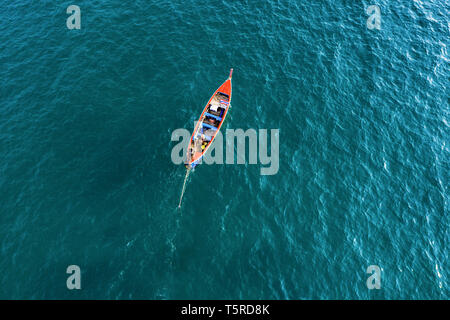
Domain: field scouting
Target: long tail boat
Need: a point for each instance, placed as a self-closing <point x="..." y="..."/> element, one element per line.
<point x="209" y="123"/>
<point x="207" y="127"/>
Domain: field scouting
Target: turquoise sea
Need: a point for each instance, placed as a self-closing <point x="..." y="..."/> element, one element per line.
<point x="86" y="176"/>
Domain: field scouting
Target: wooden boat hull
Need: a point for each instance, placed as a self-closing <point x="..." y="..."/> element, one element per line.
<point x="209" y="123"/>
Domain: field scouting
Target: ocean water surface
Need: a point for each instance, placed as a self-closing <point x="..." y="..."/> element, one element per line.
<point x="86" y="176"/>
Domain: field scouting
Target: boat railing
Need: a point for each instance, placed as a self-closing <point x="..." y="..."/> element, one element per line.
<point x="209" y="126"/>
<point x="213" y="116"/>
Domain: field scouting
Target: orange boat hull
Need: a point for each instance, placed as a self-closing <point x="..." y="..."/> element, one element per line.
<point x="194" y="156"/>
